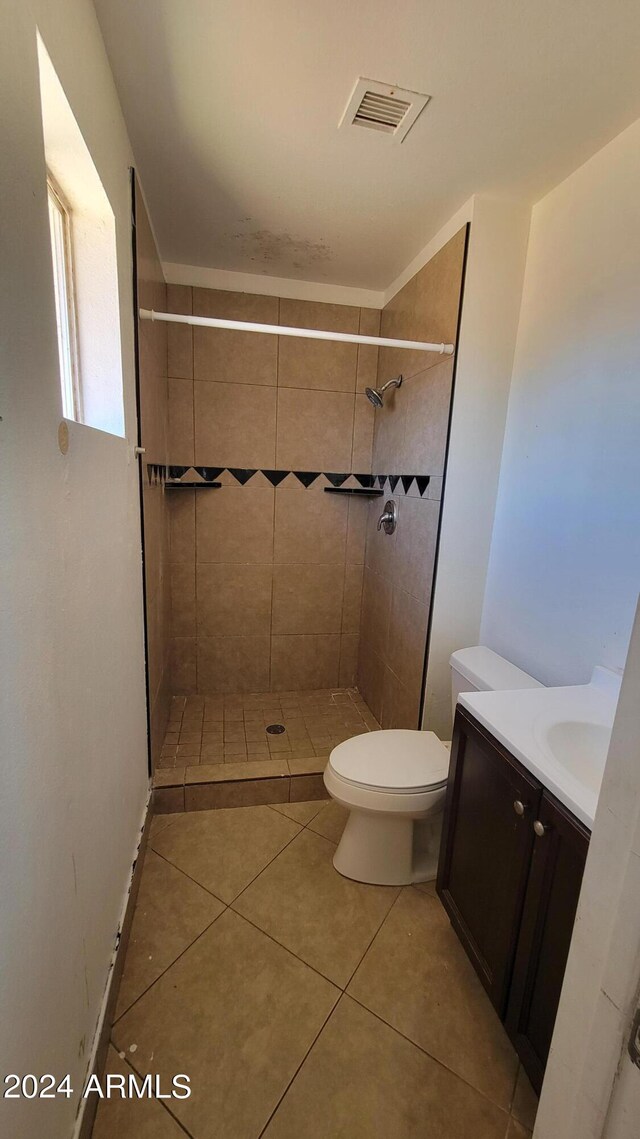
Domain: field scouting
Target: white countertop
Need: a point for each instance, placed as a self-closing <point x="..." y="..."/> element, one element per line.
<point x="561" y="735"/>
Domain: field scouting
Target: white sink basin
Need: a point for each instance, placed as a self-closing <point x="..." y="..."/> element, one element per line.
<point x="561" y="735"/>
<point x="581" y="747"/>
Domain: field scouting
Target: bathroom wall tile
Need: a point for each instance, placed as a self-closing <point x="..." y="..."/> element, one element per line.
<point x="389" y="428"/>
<point x="240" y="793"/>
<point x="235" y="357"/>
<point x="233" y="600"/>
<point x="416" y="543"/>
<point x="397" y="321"/>
<point x="320" y="315"/>
<point x="233" y="664"/>
<point x="381" y="547"/>
<point x="315" y="430"/>
<point x="357" y="529"/>
<point x="182" y="526"/>
<point x="407" y="637"/>
<point x="235" y="524"/>
<point x="183" y="665"/>
<point x="235" y="425"/>
<point x="428" y="397"/>
<point x="180" y="336"/>
<point x="310" y="526"/>
<point x="306" y="788"/>
<point x="349" y="643"/>
<point x="183" y="599"/>
<point x="307" y="598"/>
<point x="362" y="447"/>
<point x="352" y="599"/>
<point x="304" y="662"/>
<point x="167" y="800"/>
<point x="400" y="705"/>
<point x="376" y="612"/>
<point x="315" y="363"/>
<point x="180" y="424"/>
<point x="371" y="671"/>
<point x="434" y="489"/>
<point x="367" y="369"/>
<point x="436" y="302"/>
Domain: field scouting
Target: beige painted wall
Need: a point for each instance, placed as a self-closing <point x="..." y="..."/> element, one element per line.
<point x="154" y="418"/>
<point x="266" y="583"/>
<point x="74" y="767"/>
<point x="410" y="438"/>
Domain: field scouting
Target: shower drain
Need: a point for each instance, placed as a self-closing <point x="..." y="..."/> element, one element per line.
<point x="275" y="729"/>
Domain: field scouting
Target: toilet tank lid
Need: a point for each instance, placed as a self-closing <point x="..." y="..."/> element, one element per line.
<point x="489" y="672"/>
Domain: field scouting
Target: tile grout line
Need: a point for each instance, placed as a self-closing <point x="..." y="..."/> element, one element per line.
<point x="162" y="1104"/>
<point x="435" y="1059"/>
<point x="300" y="1065"/>
<point x="165" y="971"/>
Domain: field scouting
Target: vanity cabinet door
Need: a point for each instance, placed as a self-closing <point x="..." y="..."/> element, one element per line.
<point x="487" y="839"/>
<point x="551" y="900"/>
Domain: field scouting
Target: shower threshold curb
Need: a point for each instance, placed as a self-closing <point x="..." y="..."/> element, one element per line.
<point x="205" y="787"/>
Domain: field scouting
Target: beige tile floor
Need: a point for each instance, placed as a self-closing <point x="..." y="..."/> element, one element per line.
<point x="232" y="729"/>
<point x="299" y="1003"/>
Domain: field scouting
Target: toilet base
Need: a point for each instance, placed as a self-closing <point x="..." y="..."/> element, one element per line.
<point x="388" y="850"/>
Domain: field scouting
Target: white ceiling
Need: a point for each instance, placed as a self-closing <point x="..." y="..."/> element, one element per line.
<point x="233" y="109"/>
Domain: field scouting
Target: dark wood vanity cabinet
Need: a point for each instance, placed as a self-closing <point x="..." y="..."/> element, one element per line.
<point x="510" y="892"/>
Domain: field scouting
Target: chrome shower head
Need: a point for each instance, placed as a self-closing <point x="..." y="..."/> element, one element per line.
<point x="376" y="395"/>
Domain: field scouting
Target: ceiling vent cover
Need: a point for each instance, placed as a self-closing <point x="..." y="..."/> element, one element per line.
<point x="379" y="107"/>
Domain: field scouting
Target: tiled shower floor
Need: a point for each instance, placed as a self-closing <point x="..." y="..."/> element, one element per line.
<point x="300" y="1004"/>
<point x="217" y="750"/>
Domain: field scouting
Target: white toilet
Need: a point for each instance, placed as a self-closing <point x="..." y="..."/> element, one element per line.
<point x="393" y="783"/>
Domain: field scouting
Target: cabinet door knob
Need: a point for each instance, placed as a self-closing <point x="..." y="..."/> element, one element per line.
<point x="539" y="828"/>
<point x="518" y="807"/>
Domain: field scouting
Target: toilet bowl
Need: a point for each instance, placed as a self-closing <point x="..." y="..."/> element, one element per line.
<point x="393" y="783"/>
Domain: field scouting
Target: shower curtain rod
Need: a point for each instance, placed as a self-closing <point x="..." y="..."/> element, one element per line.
<point x="283" y="330"/>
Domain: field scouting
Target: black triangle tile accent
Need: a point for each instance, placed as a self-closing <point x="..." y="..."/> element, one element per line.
<point x="209" y="473"/>
<point x="306" y="477"/>
<point x="366" y="481"/>
<point x="422" y="482"/>
<point x="393" y="481"/>
<point x="381" y="481"/>
<point x="275" y="477"/>
<point x="406" y="481"/>
<point x="241" y="474"/>
<point x="335" y="479"/>
<point x="177" y="472"/>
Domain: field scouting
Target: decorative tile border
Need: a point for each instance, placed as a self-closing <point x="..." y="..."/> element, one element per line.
<point x="158" y="474"/>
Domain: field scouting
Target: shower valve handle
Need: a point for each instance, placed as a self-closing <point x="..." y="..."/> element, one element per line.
<point x="389" y="519"/>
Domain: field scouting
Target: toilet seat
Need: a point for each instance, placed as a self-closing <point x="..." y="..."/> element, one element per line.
<point x="392" y="761"/>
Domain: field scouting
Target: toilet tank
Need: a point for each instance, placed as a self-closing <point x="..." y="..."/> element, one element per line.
<point x="479" y="669"/>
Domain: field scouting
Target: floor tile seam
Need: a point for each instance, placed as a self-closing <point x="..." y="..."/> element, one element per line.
<point x="302" y="1062"/>
<point x="287" y="949"/>
<point x="189" y="876"/>
<point x="426" y="1052"/>
<point x="394" y="902"/>
<point x="373" y="937"/>
<point x="161" y="1102"/>
<point x="267" y="864"/>
<point x="168" y="967"/>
